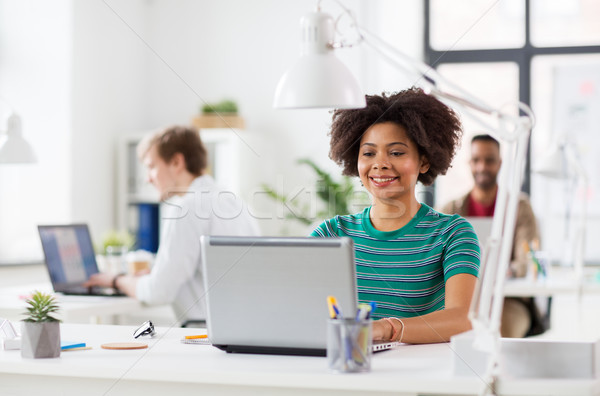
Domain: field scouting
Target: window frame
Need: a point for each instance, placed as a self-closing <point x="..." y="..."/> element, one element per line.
<point x="522" y="56"/>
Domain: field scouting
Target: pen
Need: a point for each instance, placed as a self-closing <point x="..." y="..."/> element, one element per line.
<point x="85" y="348"/>
<point x="363" y="312"/>
<point x="536" y="261"/>
<point x="331" y="306"/>
<point x="334" y="310"/>
<point x="193" y="337"/>
<point x="373" y="306"/>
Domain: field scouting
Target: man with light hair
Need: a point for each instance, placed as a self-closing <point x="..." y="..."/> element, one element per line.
<point x="193" y="205"/>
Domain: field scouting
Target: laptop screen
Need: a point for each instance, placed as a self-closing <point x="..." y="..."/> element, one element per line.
<point x="267" y="293"/>
<point x="69" y="254"/>
<point x="482" y="227"/>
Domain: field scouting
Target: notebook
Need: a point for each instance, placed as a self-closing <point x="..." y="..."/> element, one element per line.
<point x="269" y="295"/>
<point x="70" y="259"/>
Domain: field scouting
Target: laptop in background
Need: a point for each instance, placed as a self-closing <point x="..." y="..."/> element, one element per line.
<point x="269" y="295"/>
<point x="482" y="226"/>
<point x="70" y="259"/>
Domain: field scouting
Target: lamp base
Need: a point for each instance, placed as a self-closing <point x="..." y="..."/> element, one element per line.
<point x="467" y="360"/>
<point x="529" y="358"/>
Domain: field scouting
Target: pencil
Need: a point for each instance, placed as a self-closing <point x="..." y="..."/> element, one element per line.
<point x="193" y="337"/>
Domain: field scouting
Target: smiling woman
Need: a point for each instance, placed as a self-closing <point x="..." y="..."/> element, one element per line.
<point x="389" y="165"/>
<point x="420" y="266"/>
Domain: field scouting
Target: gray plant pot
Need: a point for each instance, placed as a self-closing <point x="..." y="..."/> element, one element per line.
<point x="40" y="340"/>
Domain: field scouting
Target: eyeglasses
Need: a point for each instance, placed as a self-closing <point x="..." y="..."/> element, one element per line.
<point x="146" y="329"/>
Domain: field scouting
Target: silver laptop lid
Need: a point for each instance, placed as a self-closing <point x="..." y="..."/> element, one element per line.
<point x="272" y="292"/>
<point x="482" y="227"/>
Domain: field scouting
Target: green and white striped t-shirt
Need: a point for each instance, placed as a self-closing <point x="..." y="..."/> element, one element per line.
<point x="404" y="271"/>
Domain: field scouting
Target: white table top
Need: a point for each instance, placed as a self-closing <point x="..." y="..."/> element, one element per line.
<point x="72" y="308"/>
<point x="560" y="280"/>
<point x="167" y="359"/>
<point x="524" y="287"/>
<point x="184" y="368"/>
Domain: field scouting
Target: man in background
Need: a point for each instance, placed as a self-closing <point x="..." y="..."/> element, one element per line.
<point x="520" y="316"/>
<point x="193" y="205"/>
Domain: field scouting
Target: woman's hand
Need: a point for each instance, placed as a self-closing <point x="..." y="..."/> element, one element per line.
<point x="382" y="330"/>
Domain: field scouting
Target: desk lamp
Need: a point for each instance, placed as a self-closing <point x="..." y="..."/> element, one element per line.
<point x="14" y="149"/>
<point x="313" y="90"/>
<point x="563" y="163"/>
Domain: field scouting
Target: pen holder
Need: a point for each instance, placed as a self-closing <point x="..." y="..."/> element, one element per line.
<point x="349" y="345"/>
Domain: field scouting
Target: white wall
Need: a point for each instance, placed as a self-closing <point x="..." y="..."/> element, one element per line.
<point x="234" y="49"/>
<point x="210" y="50"/>
<point x="35" y="81"/>
<point x="400" y="24"/>
<point x="84" y="72"/>
<point x="110" y="98"/>
<point x="75" y="73"/>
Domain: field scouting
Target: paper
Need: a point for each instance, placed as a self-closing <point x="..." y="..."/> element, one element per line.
<point x="7" y="330"/>
<point x="200" y="341"/>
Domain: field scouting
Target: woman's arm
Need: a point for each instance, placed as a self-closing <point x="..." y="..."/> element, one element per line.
<point x="436" y="326"/>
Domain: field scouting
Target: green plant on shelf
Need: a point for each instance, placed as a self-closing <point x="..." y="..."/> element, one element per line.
<point x="224" y="106"/>
<point x="116" y="238"/>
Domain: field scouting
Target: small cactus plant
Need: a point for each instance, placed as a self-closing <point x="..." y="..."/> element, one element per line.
<point x="40" y="308"/>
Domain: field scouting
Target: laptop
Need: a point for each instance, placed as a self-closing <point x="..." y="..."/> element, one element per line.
<point x="269" y="295"/>
<point x="482" y="226"/>
<point x="70" y="259"/>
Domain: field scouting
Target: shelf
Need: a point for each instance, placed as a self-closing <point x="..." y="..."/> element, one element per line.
<point x="224" y="121"/>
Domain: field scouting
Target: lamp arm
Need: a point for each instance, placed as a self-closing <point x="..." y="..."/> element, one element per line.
<point x="454" y="95"/>
<point x="574" y="163"/>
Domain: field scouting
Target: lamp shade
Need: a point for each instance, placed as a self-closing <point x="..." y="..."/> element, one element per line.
<point x="318" y="79"/>
<point x="14" y="149"/>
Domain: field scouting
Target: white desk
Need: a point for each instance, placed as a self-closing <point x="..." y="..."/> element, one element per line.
<point x="170" y="367"/>
<point x="82" y="309"/>
<point x="524" y="287"/>
<point x="560" y="280"/>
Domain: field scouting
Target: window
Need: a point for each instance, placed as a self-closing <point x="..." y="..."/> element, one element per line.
<point x="477" y="25"/>
<point x="497" y="91"/>
<point x="536" y="51"/>
<point x="566" y="98"/>
<point x="565" y="23"/>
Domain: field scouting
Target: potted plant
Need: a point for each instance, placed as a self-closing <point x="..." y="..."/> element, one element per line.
<point x="40" y="332"/>
<point x="223" y="114"/>
<point x="115" y="245"/>
<point x="336" y="197"/>
<point x="116" y="240"/>
<point x="227" y="107"/>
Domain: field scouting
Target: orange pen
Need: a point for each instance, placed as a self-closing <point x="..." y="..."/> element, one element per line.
<point x="193" y="337"/>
